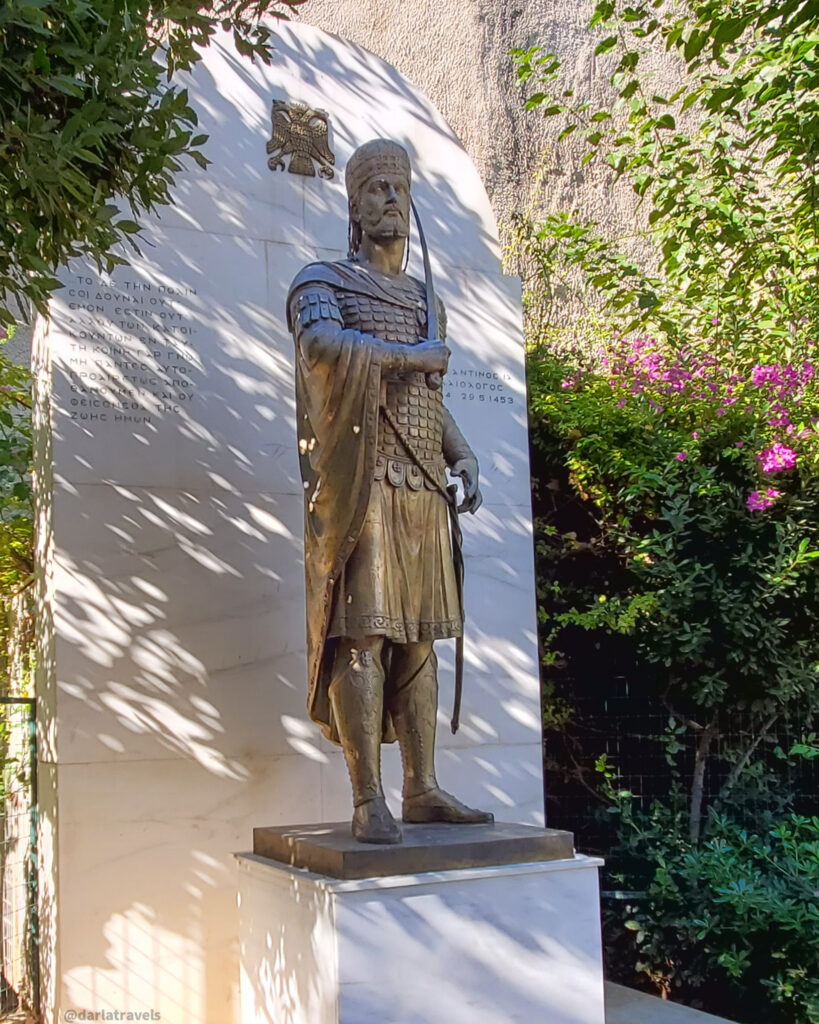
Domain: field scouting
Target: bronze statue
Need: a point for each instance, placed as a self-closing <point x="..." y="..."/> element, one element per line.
<point x="375" y="439"/>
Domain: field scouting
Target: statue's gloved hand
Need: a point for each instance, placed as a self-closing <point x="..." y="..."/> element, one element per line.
<point x="467" y="469"/>
<point x="429" y="357"/>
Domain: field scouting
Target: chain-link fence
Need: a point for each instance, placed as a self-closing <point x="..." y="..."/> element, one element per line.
<point x="19" y="981"/>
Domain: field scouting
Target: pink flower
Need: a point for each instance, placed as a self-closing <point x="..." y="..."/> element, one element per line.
<point x="766" y="374"/>
<point x="681" y="456"/>
<point x="759" y="501"/>
<point x="715" y="320"/>
<point x="777" y="458"/>
<point x="740" y="444"/>
<point x="695" y="434"/>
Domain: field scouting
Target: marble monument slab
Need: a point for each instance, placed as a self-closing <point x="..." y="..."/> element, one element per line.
<point x="171" y="669"/>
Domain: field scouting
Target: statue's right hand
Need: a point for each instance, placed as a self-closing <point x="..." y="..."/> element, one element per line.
<point x="430" y="356"/>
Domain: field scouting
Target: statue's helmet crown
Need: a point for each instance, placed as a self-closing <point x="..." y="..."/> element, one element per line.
<point x="378" y="156"/>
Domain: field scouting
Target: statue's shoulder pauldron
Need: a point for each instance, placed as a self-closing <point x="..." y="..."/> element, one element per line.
<point x="318" y="273"/>
<point x="310" y="303"/>
<point x="312" y="295"/>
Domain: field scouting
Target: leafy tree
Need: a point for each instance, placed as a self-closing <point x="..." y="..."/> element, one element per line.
<point x="676" y="443"/>
<point x="725" y="166"/>
<point x="89" y="113"/>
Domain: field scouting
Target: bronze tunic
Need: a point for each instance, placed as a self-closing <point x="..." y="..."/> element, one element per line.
<point x="399" y="581"/>
<point x="377" y="552"/>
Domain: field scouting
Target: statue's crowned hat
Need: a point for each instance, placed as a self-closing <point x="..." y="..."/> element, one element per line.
<point x="379" y="156"/>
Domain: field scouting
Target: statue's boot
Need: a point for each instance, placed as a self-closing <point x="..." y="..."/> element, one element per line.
<point x="373" y="823"/>
<point x="438" y="805"/>
<point x="414" y="707"/>
<point x="357" y="695"/>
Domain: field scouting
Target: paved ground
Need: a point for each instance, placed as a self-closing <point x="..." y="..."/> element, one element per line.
<point x="623" y="1006"/>
<point x="626" y="1006"/>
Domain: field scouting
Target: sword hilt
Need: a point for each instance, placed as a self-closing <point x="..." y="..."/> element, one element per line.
<point x="434" y="380"/>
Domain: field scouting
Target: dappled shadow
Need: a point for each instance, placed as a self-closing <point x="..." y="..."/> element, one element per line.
<point x="500" y="944"/>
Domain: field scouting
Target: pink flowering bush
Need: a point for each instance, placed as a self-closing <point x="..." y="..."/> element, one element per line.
<point x="676" y="490"/>
<point x="677" y="502"/>
<point x="700" y="465"/>
<point x="777" y="457"/>
<point x="767" y="411"/>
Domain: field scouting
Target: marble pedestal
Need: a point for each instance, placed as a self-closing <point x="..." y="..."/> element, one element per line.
<point x="511" y="944"/>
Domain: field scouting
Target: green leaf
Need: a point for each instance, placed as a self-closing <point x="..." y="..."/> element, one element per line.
<point x="694" y="44"/>
<point x="728" y="32"/>
<point x="64" y="84"/>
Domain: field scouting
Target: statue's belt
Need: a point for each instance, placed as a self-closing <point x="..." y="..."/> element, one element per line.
<point x="450" y="496"/>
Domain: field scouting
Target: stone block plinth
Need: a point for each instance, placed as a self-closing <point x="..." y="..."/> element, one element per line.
<point x="503" y="944"/>
<point x="331" y="850"/>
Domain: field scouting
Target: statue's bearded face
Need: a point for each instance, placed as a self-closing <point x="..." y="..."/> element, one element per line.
<point x="382" y="207"/>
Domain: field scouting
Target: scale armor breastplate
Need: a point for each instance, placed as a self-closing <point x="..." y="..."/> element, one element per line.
<point x="416" y="409"/>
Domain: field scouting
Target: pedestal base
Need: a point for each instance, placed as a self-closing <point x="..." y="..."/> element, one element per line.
<point x="510" y="944"/>
<point x="329" y="849"/>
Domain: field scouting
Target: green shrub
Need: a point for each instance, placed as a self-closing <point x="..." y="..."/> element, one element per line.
<point x="691" y="480"/>
<point x="732" y="921"/>
<point x="701" y="477"/>
<point x="16" y="517"/>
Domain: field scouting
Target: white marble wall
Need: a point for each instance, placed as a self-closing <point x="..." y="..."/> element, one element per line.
<point x="174" y="689"/>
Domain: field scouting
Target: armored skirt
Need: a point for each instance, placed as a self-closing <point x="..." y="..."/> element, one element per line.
<point x="399" y="581"/>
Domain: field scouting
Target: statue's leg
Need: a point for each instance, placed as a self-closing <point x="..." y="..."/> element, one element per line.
<point x="413" y="703"/>
<point x="357" y="697"/>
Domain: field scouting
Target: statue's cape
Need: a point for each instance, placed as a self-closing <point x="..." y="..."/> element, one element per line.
<point x="337" y="403"/>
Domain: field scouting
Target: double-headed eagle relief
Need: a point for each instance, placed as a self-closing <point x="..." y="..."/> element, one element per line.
<point x="303" y="134"/>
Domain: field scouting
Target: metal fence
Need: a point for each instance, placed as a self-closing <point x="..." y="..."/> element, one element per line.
<point x="631" y="729"/>
<point x="19" y="981"/>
